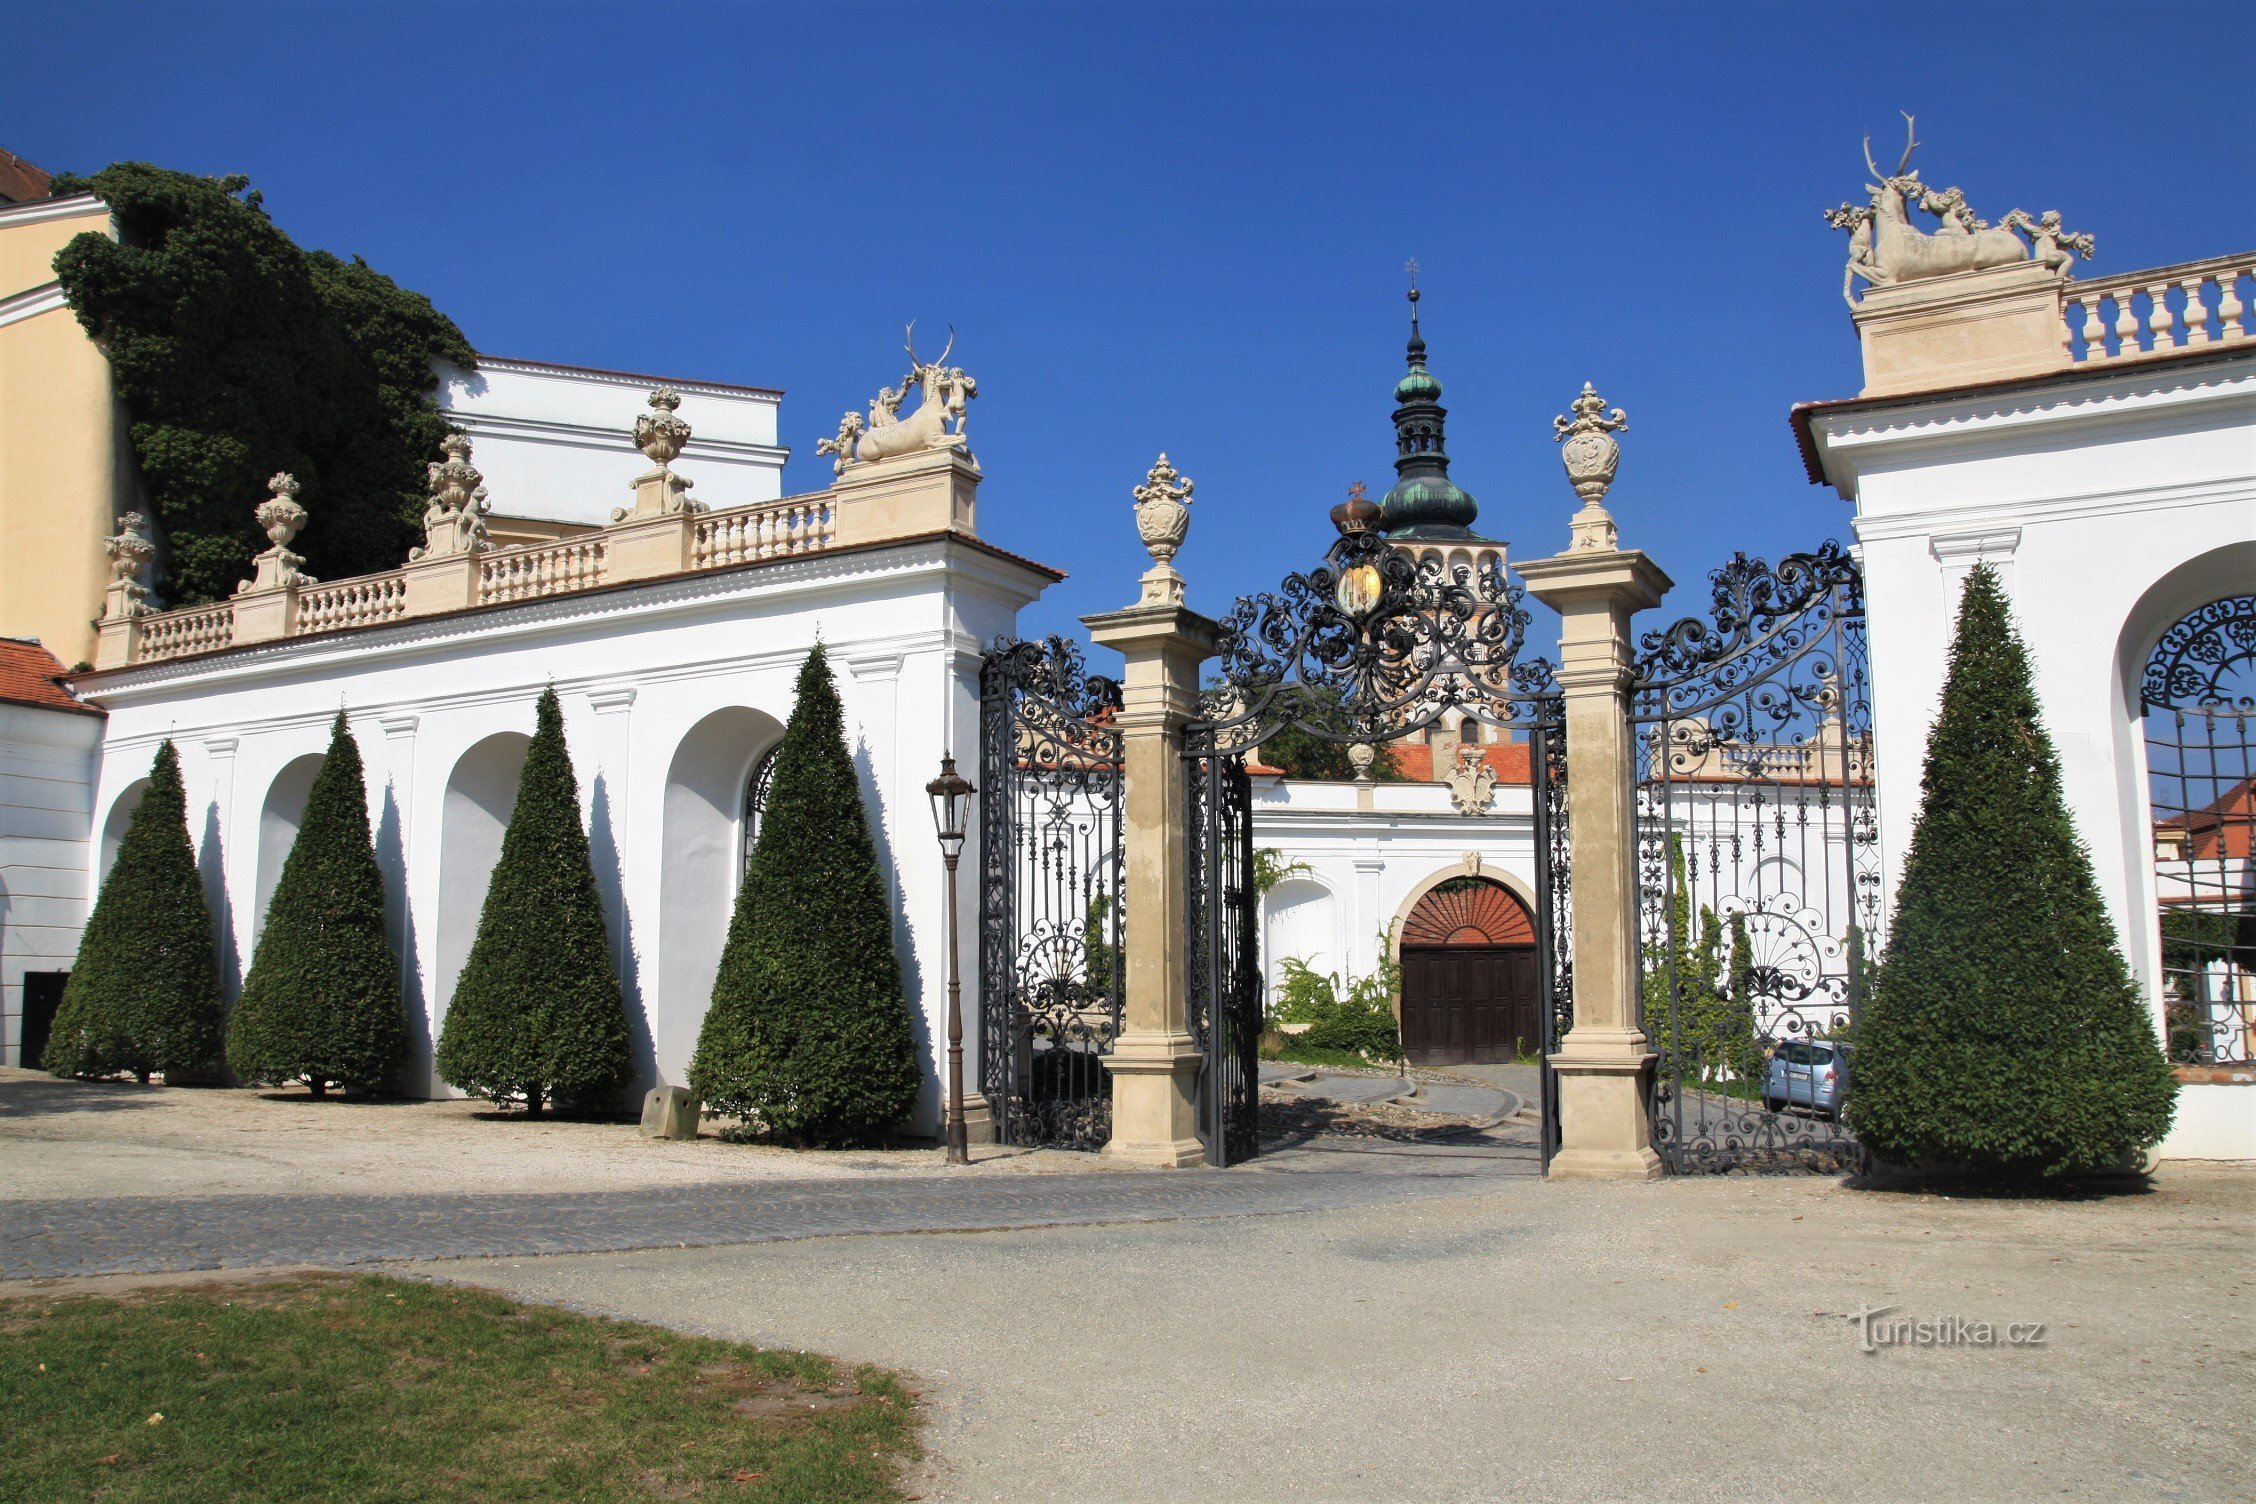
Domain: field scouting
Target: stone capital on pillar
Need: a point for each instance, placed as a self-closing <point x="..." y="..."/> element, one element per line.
<point x="1605" y="1131"/>
<point x="1155" y="1063"/>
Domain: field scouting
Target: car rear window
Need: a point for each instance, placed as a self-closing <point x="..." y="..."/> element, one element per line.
<point x="1797" y="1053"/>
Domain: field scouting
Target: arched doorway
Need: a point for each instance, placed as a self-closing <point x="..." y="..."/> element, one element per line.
<point x="1471" y="990"/>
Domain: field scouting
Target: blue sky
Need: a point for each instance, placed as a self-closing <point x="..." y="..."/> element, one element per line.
<point x="1181" y="227"/>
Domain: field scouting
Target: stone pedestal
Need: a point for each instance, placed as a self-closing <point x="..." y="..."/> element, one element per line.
<point x="649" y="547"/>
<point x="1155" y="1062"/>
<point x="448" y="583"/>
<point x="264" y="615"/>
<point x="932" y="491"/>
<point x="669" y="1112"/>
<point x="1605" y="1131"/>
<point x="1960" y="329"/>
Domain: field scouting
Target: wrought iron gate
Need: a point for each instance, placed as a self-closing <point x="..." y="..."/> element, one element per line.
<point x="1554" y="929"/>
<point x="1051" y="967"/>
<point x="2198" y="696"/>
<point x="1757" y="856"/>
<point x="1378" y="642"/>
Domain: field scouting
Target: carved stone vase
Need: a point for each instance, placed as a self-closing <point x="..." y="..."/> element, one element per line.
<point x="1591" y="457"/>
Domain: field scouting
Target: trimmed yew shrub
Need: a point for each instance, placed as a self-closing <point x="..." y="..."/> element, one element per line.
<point x="322" y="1003"/>
<point x="537" y="1016"/>
<point x="808" y="1036"/>
<point x="143" y="996"/>
<point x="2004" y="1035"/>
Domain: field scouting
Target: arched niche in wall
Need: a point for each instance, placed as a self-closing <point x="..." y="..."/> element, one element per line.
<point x="701" y="847"/>
<point x="1303" y="923"/>
<point x="280" y="815"/>
<point x="480" y="793"/>
<point x="113" y="827"/>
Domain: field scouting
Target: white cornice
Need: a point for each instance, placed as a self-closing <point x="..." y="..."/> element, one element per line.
<point x="2013" y="515"/>
<point x="2160" y="399"/>
<point x="589" y="435"/>
<point x="31" y="302"/>
<point x="638" y="381"/>
<point x="40" y="210"/>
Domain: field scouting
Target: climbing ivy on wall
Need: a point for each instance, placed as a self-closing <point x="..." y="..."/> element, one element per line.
<point x="237" y="354"/>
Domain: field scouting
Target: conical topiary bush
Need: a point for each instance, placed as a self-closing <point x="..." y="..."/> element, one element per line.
<point x="2004" y="1035"/>
<point x="808" y="1035"/>
<point x="537" y="1016"/>
<point x="322" y="1002"/>
<point x="143" y="996"/>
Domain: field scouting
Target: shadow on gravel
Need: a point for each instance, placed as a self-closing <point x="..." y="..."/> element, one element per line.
<point x="23" y="1095"/>
<point x="2032" y="1188"/>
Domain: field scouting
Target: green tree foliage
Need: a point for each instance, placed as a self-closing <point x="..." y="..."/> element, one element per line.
<point x="1699" y="1001"/>
<point x="808" y="1036"/>
<point x="537" y="1016"/>
<point x="238" y="354"/>
<point x="144" y="994"/>
<point x="2004" y="1033"/>
<point x="1356" y="1017"/>
<point x="322" y="1002"/>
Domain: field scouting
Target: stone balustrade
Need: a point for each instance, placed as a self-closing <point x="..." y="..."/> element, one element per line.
<point x="746" y="535"/>
<point x="2170" y="308"/>
<point x="531" y="571"/>
<point x="197" y="629"/>
<point x="908" y="496"/>
<point x="359" y="602"/>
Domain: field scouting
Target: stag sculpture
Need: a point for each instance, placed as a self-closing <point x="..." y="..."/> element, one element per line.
<point x="1886" y="248"/>
<point x="940" y="420"/>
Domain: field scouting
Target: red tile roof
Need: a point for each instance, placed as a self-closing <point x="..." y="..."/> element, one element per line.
<point x="20" y="182"/>
<point x="1508" y="759"/>
<point x="28" y="675"/>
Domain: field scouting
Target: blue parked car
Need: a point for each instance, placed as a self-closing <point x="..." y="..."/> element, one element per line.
<point x="1811" y="1073"/>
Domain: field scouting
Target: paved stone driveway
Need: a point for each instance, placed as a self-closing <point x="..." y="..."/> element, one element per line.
<point x="45" y="1239"/>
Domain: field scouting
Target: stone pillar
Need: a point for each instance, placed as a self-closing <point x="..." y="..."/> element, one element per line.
<point x="908" y="496"/>
<point x="1155" y="1062"/>
<point x="1604" y="1130"/>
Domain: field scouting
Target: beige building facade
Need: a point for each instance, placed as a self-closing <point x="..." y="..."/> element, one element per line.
<point x="66" y="463"/>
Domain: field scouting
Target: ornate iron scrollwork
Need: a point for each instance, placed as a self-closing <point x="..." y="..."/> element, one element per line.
<point x="1371" y="645"/>
<point x="2207" y="660"/>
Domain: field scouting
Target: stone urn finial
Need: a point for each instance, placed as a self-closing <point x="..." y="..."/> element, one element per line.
<point x="131" y="553"/>
<point x="1163" y="521"/>
<point x="659" y="434"/>
<point x="283" y="519"/>
<point x="280" y="513"/>
<point x="454" y="519"/>
<point x="1591" y="454"/>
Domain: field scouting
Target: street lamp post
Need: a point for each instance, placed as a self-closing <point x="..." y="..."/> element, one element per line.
<point x="951" y="806"/>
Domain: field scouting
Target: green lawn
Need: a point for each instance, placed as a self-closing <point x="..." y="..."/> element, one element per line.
<point x="345" y="1389"/>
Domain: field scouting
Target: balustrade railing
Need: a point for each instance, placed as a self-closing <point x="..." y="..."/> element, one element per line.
<point x="2170" y="308"/>
<point x="768" y="530"/>
<point x="359" y="602"/>
<point x="529" y="572"/>
<point x="197" y="629"/>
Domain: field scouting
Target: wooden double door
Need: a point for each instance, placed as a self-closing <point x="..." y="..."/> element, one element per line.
<point x="1469" y="1004"/>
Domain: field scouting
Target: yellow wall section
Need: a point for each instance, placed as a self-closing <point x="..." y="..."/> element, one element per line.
<point x="64" y="466"/>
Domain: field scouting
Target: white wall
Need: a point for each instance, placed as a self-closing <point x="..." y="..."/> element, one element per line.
<point x="665" y="687"/>
<point x="2110" y="504"/>
<point x="46" y="824"/>
<point x="556" y="442"/>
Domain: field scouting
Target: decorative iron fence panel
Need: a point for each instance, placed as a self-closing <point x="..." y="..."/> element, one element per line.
<point x="2199" y="698"/>
<point x="1051" y="967"/>
<point x="1758" y="864"/>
